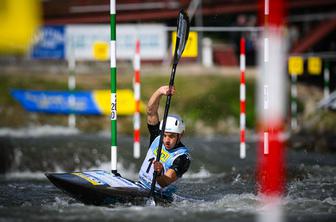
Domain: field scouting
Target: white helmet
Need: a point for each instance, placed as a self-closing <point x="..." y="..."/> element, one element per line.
<point x="174" y="124"/>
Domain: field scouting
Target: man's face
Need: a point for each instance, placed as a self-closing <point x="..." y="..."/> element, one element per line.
<point x="170" y="140"/>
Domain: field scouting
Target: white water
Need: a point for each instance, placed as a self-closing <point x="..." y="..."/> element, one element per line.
<point x="38" y="131"/>
<point x="220" y="189"/>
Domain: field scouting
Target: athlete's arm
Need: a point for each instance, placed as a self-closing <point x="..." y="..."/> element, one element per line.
<point x="154" y="131"/>
<point x="180" y="166"/>
<point x="167" y="178"/>
<point x="153" y="104"/>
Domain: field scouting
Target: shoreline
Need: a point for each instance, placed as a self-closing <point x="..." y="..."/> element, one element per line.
<point x="208" y="99"/>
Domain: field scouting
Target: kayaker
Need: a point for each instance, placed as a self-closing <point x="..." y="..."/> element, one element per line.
<point x="175" y="157"/>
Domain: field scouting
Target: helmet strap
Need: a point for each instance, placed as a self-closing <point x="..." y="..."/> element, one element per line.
<point x="179" y="136"/>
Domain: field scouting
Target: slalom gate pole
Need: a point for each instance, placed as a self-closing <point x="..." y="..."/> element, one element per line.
<point x="113" y="73"/>
<point x="271" y="110"/>
<point x="136" y="120"/>
<point x="242" y="99"/>
<point x="326" y="77"/>
<point x="294" y="122"/>
<point x="271" y="100"/>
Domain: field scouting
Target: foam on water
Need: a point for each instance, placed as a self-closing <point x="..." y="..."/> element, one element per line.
<point x="250" y="203"/>
<point x="25" y="175"/>
<point x="130" y="173"/>
<point x="308" y="206"/>
<point x="38" y="175"/>
<point x="105" y="134"/>
<point x="202" y="173"/>
<point x="221" y="192"/>
<point x="245" y="202"/>
<point x="330" y="201"/>
<point x="38" y="131"/>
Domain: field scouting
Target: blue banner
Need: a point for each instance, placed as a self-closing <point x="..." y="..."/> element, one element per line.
<point x="57" y="102"/>
<point x="50" y="44"/>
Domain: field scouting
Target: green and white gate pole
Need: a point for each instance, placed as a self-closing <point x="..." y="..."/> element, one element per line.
<point x="113" y="70"/>
<point x="295" y="68"/>
<point x="326" y="75"/>
<point x="294" y="123"/>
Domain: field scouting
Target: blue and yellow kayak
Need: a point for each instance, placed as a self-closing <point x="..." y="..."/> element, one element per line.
<point x="100" y="187"/>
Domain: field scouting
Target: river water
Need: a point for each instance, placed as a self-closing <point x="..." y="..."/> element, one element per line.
<point x="218" y="187"/>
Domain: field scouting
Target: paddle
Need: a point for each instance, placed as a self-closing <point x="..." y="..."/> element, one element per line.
<point x="181" y="39"/>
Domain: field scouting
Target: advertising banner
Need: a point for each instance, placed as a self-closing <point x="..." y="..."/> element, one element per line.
<point x="96" y="102"/>
<point x="153" y="41"/>
<point x="50" y="43"/>
<point x="82" y="39"/>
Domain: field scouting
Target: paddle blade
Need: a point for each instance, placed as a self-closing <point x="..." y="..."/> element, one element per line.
<point x="182" y="34"/>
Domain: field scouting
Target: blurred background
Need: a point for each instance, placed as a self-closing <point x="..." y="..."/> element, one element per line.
<point x="39" y="47"/>
<point x="38" y="52"/>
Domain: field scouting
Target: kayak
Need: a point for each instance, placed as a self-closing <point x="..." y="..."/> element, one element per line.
<point x="98" y="187"/>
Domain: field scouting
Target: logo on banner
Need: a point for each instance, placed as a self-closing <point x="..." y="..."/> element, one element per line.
<point x="50" y="43"/>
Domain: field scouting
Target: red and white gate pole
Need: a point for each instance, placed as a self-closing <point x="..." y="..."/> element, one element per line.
<point x="136" y="121"/>
<point x="242" y="99"/>
<point x="271" y="109"/>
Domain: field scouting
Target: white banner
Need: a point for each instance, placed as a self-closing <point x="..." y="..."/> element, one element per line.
<point x="80" y="39"/>
<point x="153" y="40"/>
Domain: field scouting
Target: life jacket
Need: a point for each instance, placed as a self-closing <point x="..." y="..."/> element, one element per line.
<point x="167" y="159"/>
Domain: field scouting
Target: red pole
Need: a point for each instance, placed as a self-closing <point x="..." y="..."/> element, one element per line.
<point x="270" y="165"/>
<point x="242" y="99"/>
<point x="136" y="147"/>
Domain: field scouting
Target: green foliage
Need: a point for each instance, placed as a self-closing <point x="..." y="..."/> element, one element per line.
<point x="215" y="98"/>
<point x="209" y="98"/>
